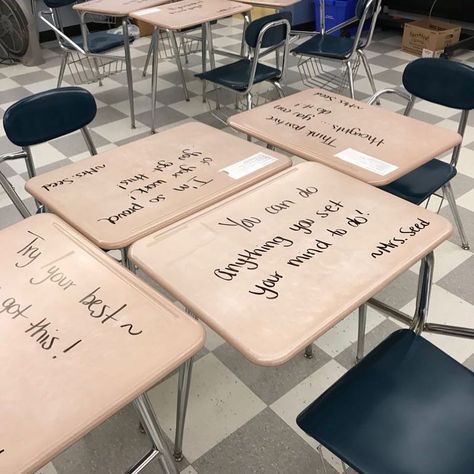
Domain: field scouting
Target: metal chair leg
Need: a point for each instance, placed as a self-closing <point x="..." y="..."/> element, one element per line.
<point x="62" y="69"/>
<point x="425" y="280"/>
<point x="178" y="63"/>
<point x="30" y="164"/>
<point x="351" y="79"/>
<point x="279" y="89"/>
<point x="361" y="332"/>
<point x="409" y="106"/>
<point x="368" y="71"/>
<point x="88" y="139"/>
<point x="184" y="383"/>
<point x="448" y="192"/>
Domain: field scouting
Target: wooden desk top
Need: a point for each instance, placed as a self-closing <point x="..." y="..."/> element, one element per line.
<point x="276" y="266"/>
<point x="80" y="337"/>
<point x="123" y="194"/>
<point x="117" y="7"/>
<point x="277" y="4"/>
<point x="188" y="13"/>
<point x="317" y="125"/>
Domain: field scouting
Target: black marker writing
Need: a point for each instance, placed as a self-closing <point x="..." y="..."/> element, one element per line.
<point x="247" y="223"/>
<point x="267" y="285"/>
<point x="30" y="251"/>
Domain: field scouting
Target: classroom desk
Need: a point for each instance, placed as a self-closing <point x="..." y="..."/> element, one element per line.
<point x="80" y="338"/>
<point x="367" y="142"/>
<point x="274" y="267"/>
<point x="179" y="16"/>
<point x="123" y="194"/>
<point x="119" y="9"/>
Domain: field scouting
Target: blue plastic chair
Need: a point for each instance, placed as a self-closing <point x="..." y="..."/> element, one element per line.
<point x="447" y="83"/>
<point x="265" y="35"/>
<point x="84" y="54"/>
<point x="48" y="115"/>
<point x="406" y="408"/>
<point x="348" y="52"/>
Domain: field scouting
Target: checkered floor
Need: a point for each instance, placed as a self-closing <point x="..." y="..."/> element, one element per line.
<point x="242" y="417"/>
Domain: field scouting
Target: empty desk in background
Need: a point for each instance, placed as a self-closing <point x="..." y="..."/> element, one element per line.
<point x="274" y="267"/>
<point x="80" y="337"/>
<point x="119" y="9"/>
<point x="364" y="141"/>
<point x="179" y="16"/>
<point x="121" y="195"/>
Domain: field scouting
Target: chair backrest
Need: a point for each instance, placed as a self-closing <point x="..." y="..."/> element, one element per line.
<point x="48" y="115"/>
<point x="273" y="36"/>
<point x="442" y="81"/>
<point x="58" y="3"/>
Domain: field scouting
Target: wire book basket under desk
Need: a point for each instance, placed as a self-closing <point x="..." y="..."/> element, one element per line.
<point x="326" y="73"/>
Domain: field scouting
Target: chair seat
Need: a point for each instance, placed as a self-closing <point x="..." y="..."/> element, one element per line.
<point x="236" y="75"/>
<point x="422" y="182"/>
<point x="406" y="408"/>
<point x="100" y="41"/>
<point x="327" y="46"/>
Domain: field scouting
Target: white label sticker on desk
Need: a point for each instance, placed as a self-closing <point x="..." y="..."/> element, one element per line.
<point x="147" y="11"/>
<point x="366" y="161"/>
<point x="249" y="165"/>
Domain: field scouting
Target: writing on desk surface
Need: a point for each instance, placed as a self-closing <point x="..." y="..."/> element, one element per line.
<point x="174" y="9"/>
<point x="47" y="274"/>
<point x="322" y="227"/>
<point x="184" y="172"/>
<point x="315" y="121"/>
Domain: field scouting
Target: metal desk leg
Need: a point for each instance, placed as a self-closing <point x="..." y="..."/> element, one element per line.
<point x="425" y="279"/>
<point x="128" y="65"/>
<point x="184" y="382"/>
<point x="152" y="427"/>
<point x="361" y="332"/>
<point x="308" y="352"/>
<point x="203" y="57"/>
<point x="126" y="261"/>
<point x="148" y="55"/>
<point x="154" y="73"/>
<point x="172" y="35"/>
<point x="243" y="45"/>
<point x="212" y="60"/>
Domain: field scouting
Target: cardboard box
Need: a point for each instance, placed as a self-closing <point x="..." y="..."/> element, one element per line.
<point x="146" y="29"/>
<point x="428" y="37"/>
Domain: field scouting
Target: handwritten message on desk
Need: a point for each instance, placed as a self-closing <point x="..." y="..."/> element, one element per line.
<point x="121" y="195"/>
<point x="283" y="262"/>
<point x="367" y="142"/>
<point x="79" y="338"/>
<point x="187" y="13"/>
